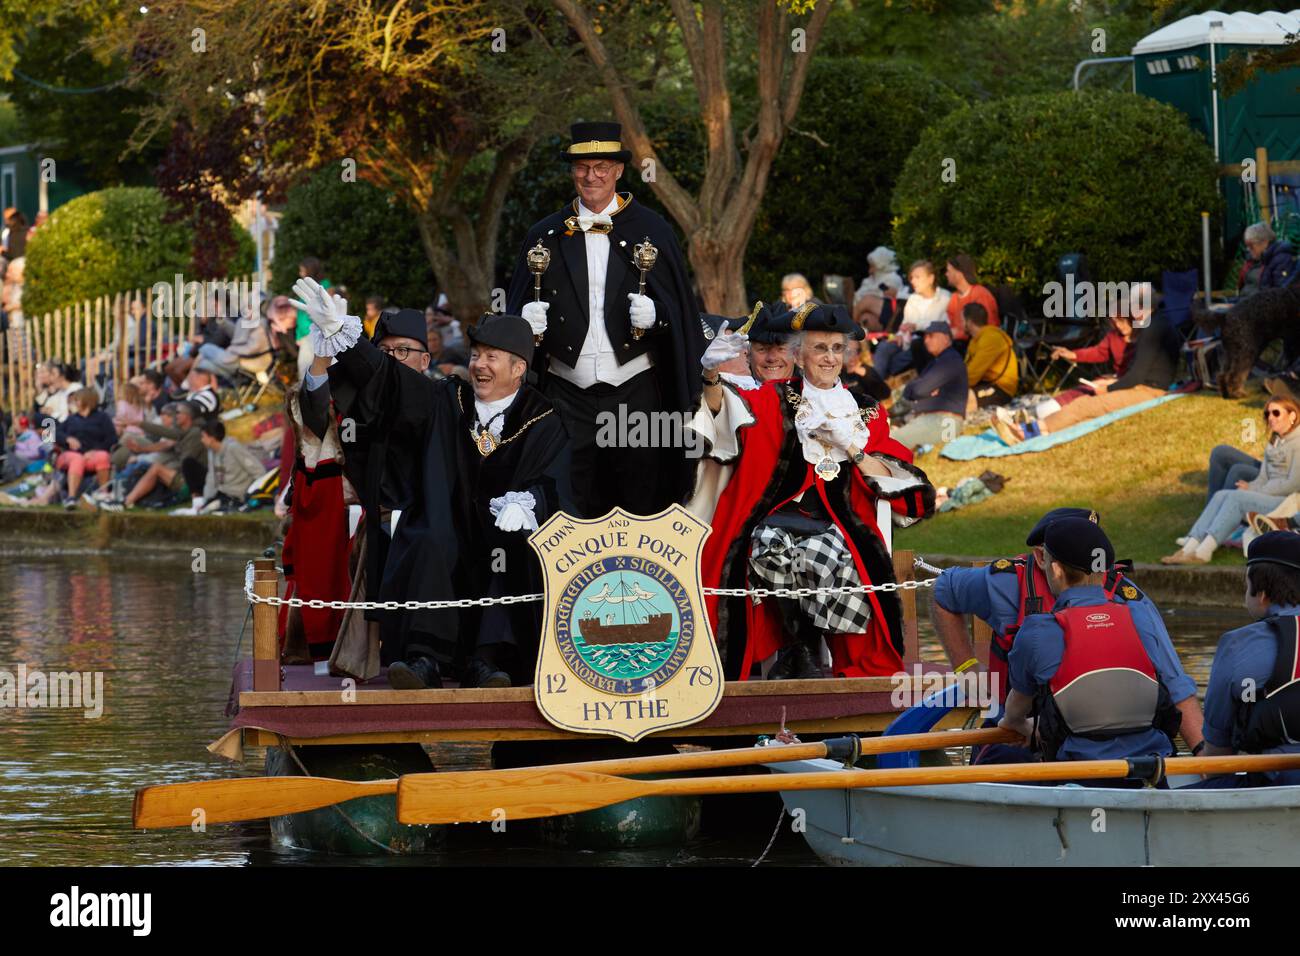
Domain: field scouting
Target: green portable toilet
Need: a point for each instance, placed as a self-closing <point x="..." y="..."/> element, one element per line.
<point x="1173" y="65"/>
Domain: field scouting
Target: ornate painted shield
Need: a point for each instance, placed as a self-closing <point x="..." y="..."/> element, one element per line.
<point x="626" y="647"/>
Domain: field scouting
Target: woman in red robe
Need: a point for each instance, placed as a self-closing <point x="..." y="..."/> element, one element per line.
<point x="800" y="507"/>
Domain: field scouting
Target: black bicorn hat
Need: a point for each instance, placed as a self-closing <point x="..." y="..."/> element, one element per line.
<point x="596" y="141"/>
<point x="1035" y="537"/>
<point x="1079" y="543"/>
<point x="817" y="317"/>
<point x="507" y="332"/>
<point x="408" y="323"/>
<point x="1275" y="547"/>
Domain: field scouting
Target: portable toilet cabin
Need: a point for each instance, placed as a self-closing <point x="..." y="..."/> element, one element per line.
<point x="1178" y="65"/>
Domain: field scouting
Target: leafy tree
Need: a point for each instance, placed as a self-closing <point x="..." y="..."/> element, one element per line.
<point x="1118" y="177"/>
<point x="367" y="240"/>
<point x="828" y="202"/>
<point x="113" y="240"/>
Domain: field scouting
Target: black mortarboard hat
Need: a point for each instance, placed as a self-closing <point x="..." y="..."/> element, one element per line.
<point x="1056" y="514"/>
<point x="508" y="332"/>
<point x="596" y="141"/>
<point x="1275" y="547"/>
<point x="408" y="323"/>
<point x="1080" y="544"/>
<point x="816" y="317"/>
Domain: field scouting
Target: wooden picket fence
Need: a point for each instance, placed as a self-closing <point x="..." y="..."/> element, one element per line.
<point x="97" y="336"/>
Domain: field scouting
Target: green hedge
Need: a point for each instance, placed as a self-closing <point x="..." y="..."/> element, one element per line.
<point x="367" y="241"/>
<point x="111" y="241"/>
<point x="827" y="206"/>
<point x="1118" y="177"/>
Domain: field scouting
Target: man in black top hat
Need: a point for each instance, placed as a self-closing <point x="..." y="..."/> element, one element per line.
<point x="604" y="349"/>
<point x="453" y="475"/>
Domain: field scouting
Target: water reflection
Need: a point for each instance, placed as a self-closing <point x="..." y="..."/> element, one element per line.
<point x="165" y="639"/>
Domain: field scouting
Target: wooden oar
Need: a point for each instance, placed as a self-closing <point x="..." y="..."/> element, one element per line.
<point x="468" y="797"/>
<point x="252" y="798"/>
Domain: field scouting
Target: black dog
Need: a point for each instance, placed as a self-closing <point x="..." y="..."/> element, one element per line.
<point x="1248" y="327"/>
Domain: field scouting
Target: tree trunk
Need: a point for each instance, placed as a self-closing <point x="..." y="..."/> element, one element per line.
<point x="719" y="269"/>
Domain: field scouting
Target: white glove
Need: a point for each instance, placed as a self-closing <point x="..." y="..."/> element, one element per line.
<point x="842" y="432"/>
<point x="641" y="311"/>
<point x="513" y="511"/>
<point x="724" y="347"/>
<point x="327" y="312"/>
<point x="534" y="313"/>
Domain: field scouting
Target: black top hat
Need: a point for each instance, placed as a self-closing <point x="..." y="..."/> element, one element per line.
<point x="816" y="317"/>
<point x="508" y="332"/>
<point x="596" y="141"/>
<point x="407" y="323"/>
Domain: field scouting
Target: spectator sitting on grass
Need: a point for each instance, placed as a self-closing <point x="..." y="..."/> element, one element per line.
<point x="153" y="386"/>
<point x="1270" y="262"/>
<point x="225" y="478"/>
<point x="166" y="470"/>
<point x="213" y="329"/>
<point x="60" y="384"/>
<point x="248" y="340"/>
<point x="1149" y="375"/>
<point x="926" y="305"/>
<point x="937" y="396"/>
<point x="1278" y="477"/>
<point x="82" y="441"/>
<point x="130" y="410"/>
<point x="991" y="366"/>
<point x="964" y="279"/>
<point x="201" y="392"/>
<point x="1115" y="350"/>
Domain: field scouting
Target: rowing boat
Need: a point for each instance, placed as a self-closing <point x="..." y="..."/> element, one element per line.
<point x="997" y="824"/>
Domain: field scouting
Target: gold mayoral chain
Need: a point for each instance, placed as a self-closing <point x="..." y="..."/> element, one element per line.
<point x="827" y="468"/>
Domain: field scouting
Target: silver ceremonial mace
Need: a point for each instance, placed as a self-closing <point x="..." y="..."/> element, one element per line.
<point x="644" y="257"/>
<point x="539" y="259"/>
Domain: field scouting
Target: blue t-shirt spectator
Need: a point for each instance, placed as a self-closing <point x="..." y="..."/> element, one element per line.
<point x="95" y="431"/>
<point x="946" y="375"/>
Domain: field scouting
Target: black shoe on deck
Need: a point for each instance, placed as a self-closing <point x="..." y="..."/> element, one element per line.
<point x="478" y="673"/>
<point x="419" y="673"/>
<point x="795" y="663"/>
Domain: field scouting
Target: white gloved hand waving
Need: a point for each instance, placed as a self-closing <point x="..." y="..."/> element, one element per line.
<point x="724" y="347"/>
<point x="842" y="432"/>
<point x="514" y="511"/>
<point x="534" y="313"/>
<point x="327" y="312"/>
<point x="641" y="311"/>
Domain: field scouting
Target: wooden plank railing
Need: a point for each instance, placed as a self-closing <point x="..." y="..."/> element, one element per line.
<point x="97" y="336"/>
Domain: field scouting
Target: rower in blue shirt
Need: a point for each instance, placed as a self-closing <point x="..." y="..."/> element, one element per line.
<point x="1252" y="702"/>
<point x="1004" y="593"/>
<point x="1094" y="674"/>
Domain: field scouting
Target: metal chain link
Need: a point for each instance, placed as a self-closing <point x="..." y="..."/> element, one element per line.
<point x="527" y="598"/>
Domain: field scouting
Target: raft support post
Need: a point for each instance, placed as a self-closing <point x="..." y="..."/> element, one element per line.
<point x="266" y="640"/>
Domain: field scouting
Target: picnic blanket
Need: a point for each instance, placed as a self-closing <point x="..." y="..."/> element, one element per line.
<point x="987" y="444"/>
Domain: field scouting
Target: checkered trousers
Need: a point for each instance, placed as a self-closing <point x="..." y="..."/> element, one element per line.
<point x="780" y="558"/>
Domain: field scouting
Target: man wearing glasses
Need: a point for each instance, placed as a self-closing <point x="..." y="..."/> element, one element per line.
<point x="606" y="352"/>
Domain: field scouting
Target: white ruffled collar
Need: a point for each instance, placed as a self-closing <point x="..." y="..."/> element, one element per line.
<point x="818" y="406"/>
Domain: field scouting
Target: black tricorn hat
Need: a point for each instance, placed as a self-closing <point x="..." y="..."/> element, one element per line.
<point x="596" y="141"/>
<point x="507" y="332"/>
<point x="772" y="327"/>
<point x="816" y="317"/>
<point x="408" y="323"/>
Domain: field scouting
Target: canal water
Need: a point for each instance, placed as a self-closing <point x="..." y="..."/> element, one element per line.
<point x="164" y="636"/>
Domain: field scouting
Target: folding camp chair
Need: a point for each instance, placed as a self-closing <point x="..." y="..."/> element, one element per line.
<point x="1070" y="331"/>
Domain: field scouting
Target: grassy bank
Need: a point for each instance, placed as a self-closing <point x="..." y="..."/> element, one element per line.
<point x="1145" y="476"/>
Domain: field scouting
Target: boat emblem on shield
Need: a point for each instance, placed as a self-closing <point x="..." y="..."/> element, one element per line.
<point x="626" y="648"/>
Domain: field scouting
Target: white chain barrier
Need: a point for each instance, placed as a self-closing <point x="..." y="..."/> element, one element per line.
<point x="254" y="598"/>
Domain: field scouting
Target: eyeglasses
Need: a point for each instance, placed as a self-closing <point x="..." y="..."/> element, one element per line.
<point x="401" y="352"/>
<point x="823" y="348"/>
<point x="600" y="170"/>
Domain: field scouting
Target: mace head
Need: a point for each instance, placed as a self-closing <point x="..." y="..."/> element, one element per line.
<point x="645" y="255"/>
<point x="539" y="257"/>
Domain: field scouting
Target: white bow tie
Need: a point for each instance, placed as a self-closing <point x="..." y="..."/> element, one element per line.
<point x="585" y="222"/>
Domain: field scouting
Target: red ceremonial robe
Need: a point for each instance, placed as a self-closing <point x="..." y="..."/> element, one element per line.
<point x="315" y="550"/>
<point x="770" y="471"/>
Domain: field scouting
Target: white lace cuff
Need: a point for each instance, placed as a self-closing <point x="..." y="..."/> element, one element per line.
<point x="342" y="340"/>
<point x="524" y="498"/>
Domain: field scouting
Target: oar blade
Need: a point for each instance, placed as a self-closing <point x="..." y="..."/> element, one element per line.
<point x="243" y="798"/>
<point x="505" y="795"/>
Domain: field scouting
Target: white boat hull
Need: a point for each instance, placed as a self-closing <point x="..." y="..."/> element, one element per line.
<point x="997" y="824"/>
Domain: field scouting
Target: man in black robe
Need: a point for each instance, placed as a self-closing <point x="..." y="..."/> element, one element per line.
<point x="453" y="477"/>
<point x="607" y="353"/>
